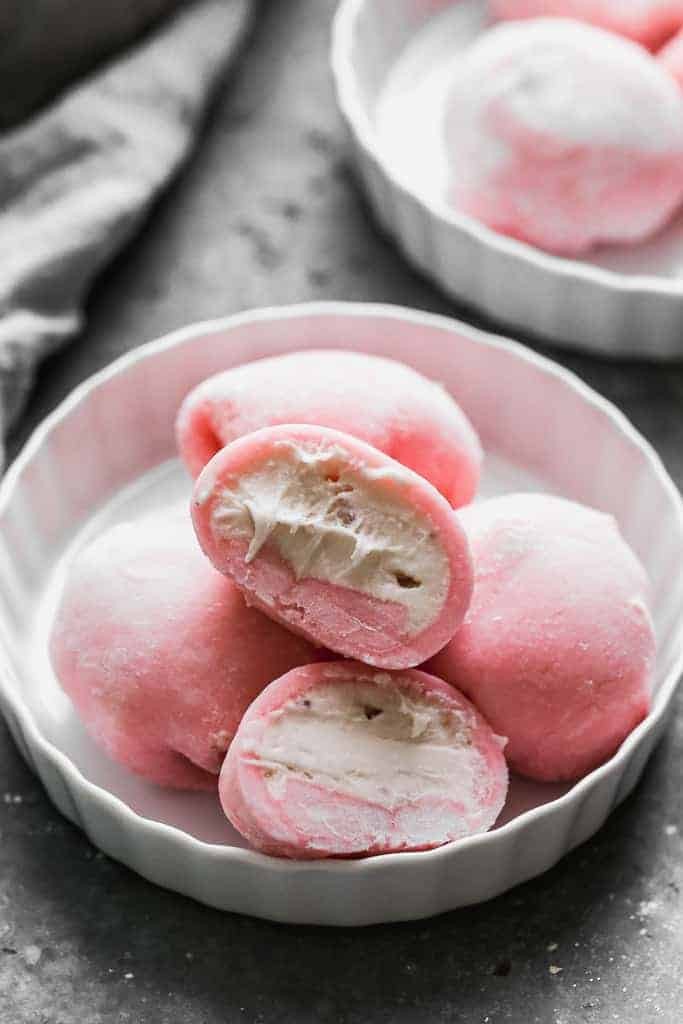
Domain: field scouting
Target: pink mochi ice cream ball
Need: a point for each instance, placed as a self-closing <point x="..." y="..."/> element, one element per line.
<point x="649" y="22"/>
<point x="380" y="401"/>
<point x="337" y="541"/>
<point x="557" y="648"/>
<point x="340" y="760"/>
<point x="159" y="652"/>
<point x="564" y="136"/>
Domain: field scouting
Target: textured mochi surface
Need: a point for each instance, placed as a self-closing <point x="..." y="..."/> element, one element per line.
<point x="380" y="401"/>
<point x="159" y="652"/>
<point x="649" y="22"/>
<point x="340" y="760"/>
<point x="564" y="136"/>
<point x="337" y="541"/>
<point x="557" y="648"/>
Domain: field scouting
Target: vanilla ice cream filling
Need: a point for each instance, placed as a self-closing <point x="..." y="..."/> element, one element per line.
<point x="374" y="743"/>
<point x="329" y="522"/>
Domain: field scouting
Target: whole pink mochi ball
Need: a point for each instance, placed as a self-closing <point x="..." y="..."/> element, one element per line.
<point x="379" y="401"/>
<point x="159" y="652"/>
<point x="649" y="22"/>
<point x="557" y="648"/>
<point x="564" y="136"/>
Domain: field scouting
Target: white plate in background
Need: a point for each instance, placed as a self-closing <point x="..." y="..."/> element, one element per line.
<point x="391" y="61"/>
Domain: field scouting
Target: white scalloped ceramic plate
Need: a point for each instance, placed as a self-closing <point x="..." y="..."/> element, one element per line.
<point x="390" y="60"/>
<point x="107" y="454"/>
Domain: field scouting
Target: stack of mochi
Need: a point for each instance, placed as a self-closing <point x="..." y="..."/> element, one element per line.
<point x="353" y="662"/>
<point x="563" y="124"/>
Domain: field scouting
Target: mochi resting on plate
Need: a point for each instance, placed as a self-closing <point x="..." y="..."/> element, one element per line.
<point x="380" y="401"/>
<point x="649" y="22"/>
<point x="564" y="136"/>
<point x="557" y="648"/>
<point x="340" y="760"/>
<point x="159" y="652"/>
<point x="337" y="541"/>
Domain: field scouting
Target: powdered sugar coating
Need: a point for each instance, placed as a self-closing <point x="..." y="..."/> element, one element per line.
<point x="159" y="652"/>
<point x="649" y="22"/>
<point x="380" y="401"/>
<point x="563" y="135"/>
<point x="557" y="648"/>
<point x="671" y="57"/>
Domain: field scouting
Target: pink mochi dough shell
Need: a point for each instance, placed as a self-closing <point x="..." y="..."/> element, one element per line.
<point x="671" y="58"/>
<point x="335" y="615"/>
<point x="557" y="648"/>
<point x="380" y="401"/>
<point x="277" y="788"/>
<point x="159" y="652"/>
<point x="649" y="22"/>
<point x="563" y="136"/>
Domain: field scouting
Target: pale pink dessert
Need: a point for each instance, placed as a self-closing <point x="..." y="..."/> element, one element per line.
<point x="557" y="648"/>
<point x="337" y="541"/>
<point x="159" y="652"/>
<point x="339" y="760"/>
<point x="564" y="136"/>
<point x="380" y="401"/>
<point x="649" y="22"/>
<point x="671" y="58"/>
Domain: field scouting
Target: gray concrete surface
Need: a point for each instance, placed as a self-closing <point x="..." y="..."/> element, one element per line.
<point x="267" y="213"/>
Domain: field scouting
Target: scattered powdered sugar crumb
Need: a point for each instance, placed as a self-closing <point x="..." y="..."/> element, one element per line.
<point x="646" y="908"/>
<point x="554" y="969"/>
<point x="551" y="947"/>
<point x="671" y="830"/>
<point x="13" y="798"/>
<point x="129" y="976"/>
<point x="32" y="955"/>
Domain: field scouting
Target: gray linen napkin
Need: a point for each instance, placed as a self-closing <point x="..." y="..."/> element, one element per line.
<point x="77" y="179"/>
